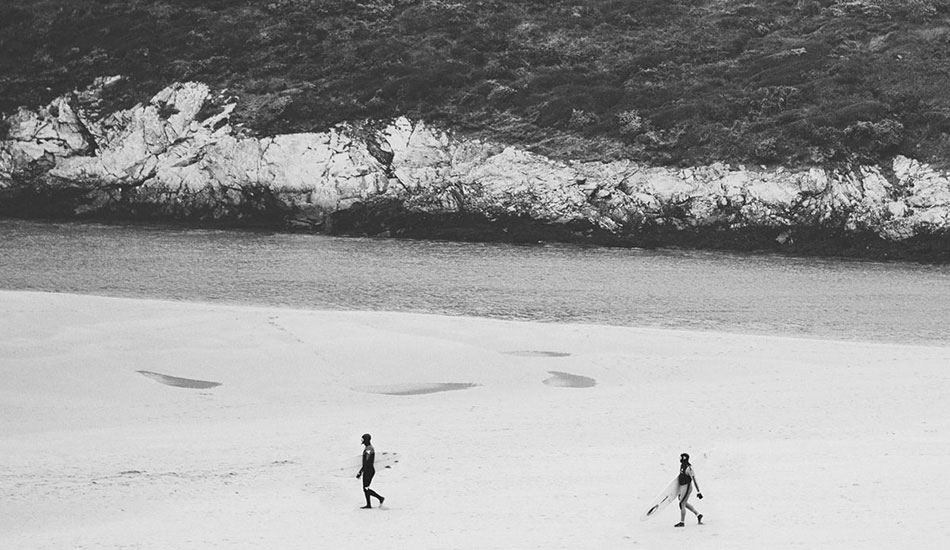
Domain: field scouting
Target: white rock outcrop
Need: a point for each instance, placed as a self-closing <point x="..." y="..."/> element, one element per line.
<point x="176" y="150"/>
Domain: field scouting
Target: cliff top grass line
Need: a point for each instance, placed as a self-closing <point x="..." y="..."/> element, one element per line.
<point x="688" y="82"/>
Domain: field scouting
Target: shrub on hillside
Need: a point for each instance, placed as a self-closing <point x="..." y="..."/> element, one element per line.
<point x="554" y="113"/>
<point x="772" y="100"/>
<point x="500" y="93"/>
<point x="665" y="80"/>
<point x="767" y="151"/>
<point x="875" y="139"/>
<point x="911" y="10"/>
<point x="581" y="119"/>
<point x="631" y="123"/>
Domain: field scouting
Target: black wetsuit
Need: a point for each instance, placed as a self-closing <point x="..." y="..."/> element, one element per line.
<point x="369" y="469"/>
<point x="367" y="472"/>
<point x="686" y="474"/>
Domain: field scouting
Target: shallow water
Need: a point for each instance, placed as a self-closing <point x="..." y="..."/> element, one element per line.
<point x="824" y="298"/>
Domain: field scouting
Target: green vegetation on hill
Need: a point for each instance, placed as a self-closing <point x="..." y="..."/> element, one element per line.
<point x="661" y="81"/>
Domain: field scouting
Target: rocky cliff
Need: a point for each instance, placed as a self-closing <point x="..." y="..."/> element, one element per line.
<point x="177" y="157"/>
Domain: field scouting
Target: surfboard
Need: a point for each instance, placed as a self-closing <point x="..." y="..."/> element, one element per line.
<point x="383" y="461"/>
<point x="668" y="495"/>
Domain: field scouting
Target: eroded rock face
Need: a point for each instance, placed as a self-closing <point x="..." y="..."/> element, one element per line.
<point x="174" y="157"/>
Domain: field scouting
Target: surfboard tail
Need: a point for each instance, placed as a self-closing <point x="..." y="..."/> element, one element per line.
<point x="663" y="499"/>
<point x="646" y="515"/>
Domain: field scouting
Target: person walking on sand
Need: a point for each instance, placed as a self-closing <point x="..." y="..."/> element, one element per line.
<point x="368" y="471"/>
<point x="686" y="480"/>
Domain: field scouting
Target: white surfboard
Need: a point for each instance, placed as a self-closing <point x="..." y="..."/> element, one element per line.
<point x="662" y="500"/>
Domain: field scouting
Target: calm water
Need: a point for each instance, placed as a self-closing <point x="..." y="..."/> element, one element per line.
<point x="679" y="289"/>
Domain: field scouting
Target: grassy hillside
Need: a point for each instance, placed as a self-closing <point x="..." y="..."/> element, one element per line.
<point x="663" y="81"/>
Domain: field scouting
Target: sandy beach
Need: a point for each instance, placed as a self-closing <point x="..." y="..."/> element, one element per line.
<point x="169" y="425"/>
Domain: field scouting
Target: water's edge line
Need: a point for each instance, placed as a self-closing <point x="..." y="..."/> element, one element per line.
<point x="368" y="312"/>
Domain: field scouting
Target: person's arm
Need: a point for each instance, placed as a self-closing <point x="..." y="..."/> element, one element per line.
<point x="699" y="493"/>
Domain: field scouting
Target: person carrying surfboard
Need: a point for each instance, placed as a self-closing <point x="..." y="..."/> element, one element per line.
<point x="687" y="479"/>
<point x="368" y="471"/>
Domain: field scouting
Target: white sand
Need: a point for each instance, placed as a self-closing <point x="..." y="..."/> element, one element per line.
<point x="796" y="443"/>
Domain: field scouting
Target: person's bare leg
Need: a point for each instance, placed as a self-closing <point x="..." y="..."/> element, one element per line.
<point x="684" y="504"/>
<point x="372" y="493"/>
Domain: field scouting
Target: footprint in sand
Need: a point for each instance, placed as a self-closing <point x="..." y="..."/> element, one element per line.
<point x="567" y="380"/>
<point x="537" y="353"/>
<point x="179" y="382"/>
<point x="415" y="389"/>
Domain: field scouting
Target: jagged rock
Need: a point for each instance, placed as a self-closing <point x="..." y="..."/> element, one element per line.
<point x="173" y="157"/>
<point x="55" y="131"/>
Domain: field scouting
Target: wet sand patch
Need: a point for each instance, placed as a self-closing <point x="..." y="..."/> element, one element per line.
<point x="568" y="380"/>
<point x="537" y="353"/>
<point x="415" y="389"/>
<point x="179" y="382"/>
